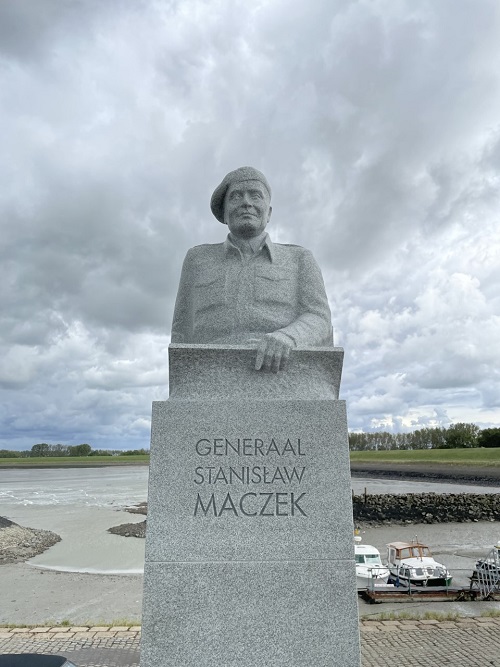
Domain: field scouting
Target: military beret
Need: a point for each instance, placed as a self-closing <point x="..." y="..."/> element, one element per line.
<point x="236" y="176"/>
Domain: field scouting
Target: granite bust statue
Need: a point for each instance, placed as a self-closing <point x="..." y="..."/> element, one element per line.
<point x="249" y="289"/>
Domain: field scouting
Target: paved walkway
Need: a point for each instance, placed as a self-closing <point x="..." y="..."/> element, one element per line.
<point x="467" y="642"/>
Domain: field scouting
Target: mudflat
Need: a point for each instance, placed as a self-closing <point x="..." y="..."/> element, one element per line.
<point x="37" y="596"/>
<point x="34" y="596"/>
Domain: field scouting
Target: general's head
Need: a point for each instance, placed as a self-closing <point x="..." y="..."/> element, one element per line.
<point x="242" y="201"/>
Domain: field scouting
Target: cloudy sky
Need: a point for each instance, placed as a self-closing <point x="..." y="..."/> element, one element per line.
<point x="377" y="123"/>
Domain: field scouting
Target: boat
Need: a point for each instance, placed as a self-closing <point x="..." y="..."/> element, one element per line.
<point x="369" y="569"/>
<point x="411" y="563"/>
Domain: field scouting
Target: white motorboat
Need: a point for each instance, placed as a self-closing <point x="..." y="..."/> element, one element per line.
<point x="412" y="563"/>
<point x="369" y="568"/>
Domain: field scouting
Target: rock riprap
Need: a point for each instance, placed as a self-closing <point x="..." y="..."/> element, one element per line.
<point x="426" y="508"/>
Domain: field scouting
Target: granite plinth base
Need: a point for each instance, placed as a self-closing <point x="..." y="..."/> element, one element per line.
<point x="250" y="614"/>
<point x="249" y="546"/>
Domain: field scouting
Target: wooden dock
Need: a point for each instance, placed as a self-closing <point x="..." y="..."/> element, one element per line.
<point x="380" y="594"/>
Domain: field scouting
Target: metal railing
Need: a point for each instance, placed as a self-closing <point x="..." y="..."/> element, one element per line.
<point x="486" y="575"/>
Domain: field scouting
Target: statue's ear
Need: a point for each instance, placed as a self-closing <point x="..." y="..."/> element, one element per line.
<point x="269" y="214"/>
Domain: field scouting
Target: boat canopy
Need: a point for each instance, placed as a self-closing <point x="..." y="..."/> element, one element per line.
<point x="410" y="549"/>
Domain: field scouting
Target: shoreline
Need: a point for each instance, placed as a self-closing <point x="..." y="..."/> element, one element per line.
<point x="433" y="472"/>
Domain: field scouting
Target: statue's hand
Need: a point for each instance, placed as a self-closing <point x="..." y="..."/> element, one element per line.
<point x="273" y="351"/>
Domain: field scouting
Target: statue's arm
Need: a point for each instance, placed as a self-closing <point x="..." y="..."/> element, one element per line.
<point x="313" y="327"/>
<point x="182" y="323"/>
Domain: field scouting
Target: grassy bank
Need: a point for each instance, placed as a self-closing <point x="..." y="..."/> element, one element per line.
<point x="74" y="461"/>
<point x="464" y="457"/>
<point x="461" y="457"/>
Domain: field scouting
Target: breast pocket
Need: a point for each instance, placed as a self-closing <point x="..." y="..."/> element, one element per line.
<point x="274" y="287"/>
<point x="209" y="292"/>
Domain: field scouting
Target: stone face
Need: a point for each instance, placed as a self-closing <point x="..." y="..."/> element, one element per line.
<point x="249" y="547"/>
<point x="241" y="175"/>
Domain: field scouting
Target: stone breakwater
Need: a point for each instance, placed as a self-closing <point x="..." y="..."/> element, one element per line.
<point x="426" y="508"/>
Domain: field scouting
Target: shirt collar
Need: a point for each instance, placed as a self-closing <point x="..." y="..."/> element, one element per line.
<point x="258" y="244"/>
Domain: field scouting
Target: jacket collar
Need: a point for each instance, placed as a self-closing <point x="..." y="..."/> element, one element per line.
<point x="266" y="243"/>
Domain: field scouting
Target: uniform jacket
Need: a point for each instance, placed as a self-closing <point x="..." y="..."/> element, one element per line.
<point x="226" y="298"/>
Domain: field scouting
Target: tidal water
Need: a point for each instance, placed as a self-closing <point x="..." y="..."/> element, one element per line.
<point x="80" y="504"/>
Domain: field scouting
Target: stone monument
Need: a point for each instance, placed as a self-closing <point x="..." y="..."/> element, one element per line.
<point x="249" y="546"/>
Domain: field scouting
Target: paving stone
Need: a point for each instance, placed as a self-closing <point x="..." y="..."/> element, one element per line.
<point x="442" y="644"/>
<point x="41" y="630"/>
<point x="408" y="621"/>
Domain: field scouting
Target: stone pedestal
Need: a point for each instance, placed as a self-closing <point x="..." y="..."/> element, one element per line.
<point x="249" y="548"/>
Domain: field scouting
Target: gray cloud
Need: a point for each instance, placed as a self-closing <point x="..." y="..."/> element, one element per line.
<point x="377" y="126"/>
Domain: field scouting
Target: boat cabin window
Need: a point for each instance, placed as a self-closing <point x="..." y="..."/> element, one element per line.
<point x="418" y="551"/>
<point x="360" y="558"/>
<point x="372" y="558"/>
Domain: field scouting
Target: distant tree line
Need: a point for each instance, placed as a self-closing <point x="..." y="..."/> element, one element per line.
<point x="45" y="449"/>
<point x="455" y="436"/>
